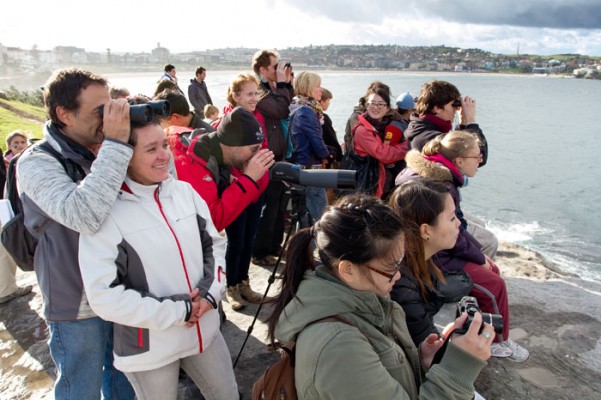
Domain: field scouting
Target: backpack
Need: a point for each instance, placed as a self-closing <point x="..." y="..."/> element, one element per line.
<point x="277" y="382"/>
<point x="17" y="240"/>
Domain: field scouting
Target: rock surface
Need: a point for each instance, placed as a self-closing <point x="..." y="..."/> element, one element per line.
<point x="557" y="317"/>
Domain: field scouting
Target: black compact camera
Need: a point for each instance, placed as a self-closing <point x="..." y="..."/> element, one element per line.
<point x="145" y="111"/>
<point x="469" y="305"/>
<point x="457" y="103"/>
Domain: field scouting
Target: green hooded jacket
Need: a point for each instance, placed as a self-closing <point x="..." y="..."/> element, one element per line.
<point x="373" y="359"/>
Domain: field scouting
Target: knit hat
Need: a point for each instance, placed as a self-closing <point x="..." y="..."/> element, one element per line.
<point x="239" y="128"/>
<point x="405" y="101"/>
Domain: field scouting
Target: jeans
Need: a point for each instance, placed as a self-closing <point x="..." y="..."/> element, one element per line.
<point x="486" y="238"/>
<point x="493" y="282"/>
<point x="317" y="200"/>
<point x="80" y="349"/>
<point x="240" y="241"/>
<point x="8" y="270"/>
<point x="270" y="232"/>
<point x="211" y="370"/>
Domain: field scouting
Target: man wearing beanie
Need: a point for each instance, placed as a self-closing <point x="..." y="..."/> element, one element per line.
<point x="206" y="164"/>
<point x="229" y="170"/>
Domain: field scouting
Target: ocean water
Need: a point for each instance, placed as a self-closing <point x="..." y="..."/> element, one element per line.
<point x="542" y="185"/>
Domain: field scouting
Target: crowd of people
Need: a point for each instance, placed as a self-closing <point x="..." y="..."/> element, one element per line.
<point x="170" y="213"/>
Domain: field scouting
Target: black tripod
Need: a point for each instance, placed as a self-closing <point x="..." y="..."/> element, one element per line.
<point x="299" y="218"/>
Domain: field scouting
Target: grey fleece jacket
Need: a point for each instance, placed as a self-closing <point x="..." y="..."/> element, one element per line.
<point x="56" y="209"/>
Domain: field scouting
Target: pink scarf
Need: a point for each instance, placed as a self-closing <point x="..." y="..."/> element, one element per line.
<point x="439" y="158"/>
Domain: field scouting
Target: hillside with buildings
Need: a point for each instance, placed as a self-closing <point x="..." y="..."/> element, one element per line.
<point x="389" y="57"/>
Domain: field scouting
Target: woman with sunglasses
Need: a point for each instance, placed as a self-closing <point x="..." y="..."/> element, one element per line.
<point x="452" y="159"/>
<point x="378" y="134"/>
<point x="367" y="351"/>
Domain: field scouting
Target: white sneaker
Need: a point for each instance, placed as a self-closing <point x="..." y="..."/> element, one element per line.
<point x="499" y="350"/>
<point x="518" y="353"/>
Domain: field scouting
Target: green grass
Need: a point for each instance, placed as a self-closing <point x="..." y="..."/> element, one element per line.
<point x="10" y="121"/>
<point x="28" y="108"/>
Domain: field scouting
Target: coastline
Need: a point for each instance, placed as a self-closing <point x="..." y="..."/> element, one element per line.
<point x="554" y="315"/>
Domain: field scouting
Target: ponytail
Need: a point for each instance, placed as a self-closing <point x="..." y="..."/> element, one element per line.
<point x="299" y="259"/>
<point x="434" y="146"/>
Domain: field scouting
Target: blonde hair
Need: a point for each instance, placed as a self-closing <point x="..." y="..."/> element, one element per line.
<point x="451" y="145"/>
<point x="305" y="82"/>
<point x="14" y="134"/>
<point x="235" y="87"/>
<point x="210" y="110"/>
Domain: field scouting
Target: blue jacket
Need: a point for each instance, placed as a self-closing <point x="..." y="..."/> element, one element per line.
<point x="307" y="137"/>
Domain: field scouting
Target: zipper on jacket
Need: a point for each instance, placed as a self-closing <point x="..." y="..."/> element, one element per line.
<point x="181" y="256"/>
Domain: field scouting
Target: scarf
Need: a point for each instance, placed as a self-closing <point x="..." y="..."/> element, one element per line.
<point x="442" y="125"/>
<point x="439" y="158"/>
<point x="311" y="103"/>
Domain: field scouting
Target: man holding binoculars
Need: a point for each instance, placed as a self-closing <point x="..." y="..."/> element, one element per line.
<point x="57" y="208"/>
<point x="437" y="105"/>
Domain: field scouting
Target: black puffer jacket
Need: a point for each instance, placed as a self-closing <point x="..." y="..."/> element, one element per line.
<point x="419" y="312"/>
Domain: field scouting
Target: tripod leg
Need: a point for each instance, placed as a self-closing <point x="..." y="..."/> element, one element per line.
<point x="271" y="279"/>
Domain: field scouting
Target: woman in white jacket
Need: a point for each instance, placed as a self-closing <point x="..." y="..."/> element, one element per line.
<point x="156" y="269"/>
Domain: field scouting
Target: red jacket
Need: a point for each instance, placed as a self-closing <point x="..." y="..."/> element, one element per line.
<point x="227" y="191"/>
<point x="367" y="141"/>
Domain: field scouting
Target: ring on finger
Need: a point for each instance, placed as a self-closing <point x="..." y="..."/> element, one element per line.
<point x="487" y="335"/>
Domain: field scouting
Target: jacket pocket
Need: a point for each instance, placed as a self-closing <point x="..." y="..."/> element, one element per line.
<point x="129" y="340"/>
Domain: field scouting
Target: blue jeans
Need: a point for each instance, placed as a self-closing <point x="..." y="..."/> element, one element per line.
<point x="80" y="349"/>
<point x="317" y="200"/>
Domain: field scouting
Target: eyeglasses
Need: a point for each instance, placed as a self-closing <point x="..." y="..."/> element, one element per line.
<point x="479" y="157"/>
<point x="377" y="105"/>
<point x="386" y="274"/>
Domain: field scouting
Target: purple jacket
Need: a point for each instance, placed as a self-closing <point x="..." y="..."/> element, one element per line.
<point x="467" y="248"/>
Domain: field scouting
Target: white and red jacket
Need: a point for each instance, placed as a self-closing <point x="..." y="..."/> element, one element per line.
<point x="156" y="246"/>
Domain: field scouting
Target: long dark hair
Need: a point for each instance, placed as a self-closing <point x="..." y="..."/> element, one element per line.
<point x="357" y="228"/>
<point x="419" y="201"/>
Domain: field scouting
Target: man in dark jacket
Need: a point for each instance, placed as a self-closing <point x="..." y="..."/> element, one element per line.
<point x="198" y="92"/>
<point x="275" y="95"/>
<point x="436" y="107"/>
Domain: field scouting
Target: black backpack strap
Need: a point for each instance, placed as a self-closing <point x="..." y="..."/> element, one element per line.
<point x="73" y="169"/>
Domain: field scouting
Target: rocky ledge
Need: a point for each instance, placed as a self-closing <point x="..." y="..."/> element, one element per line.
<point x="556" y="316"/>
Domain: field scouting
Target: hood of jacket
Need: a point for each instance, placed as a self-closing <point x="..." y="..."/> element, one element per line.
<point x="428" y="169"/>
<point x="321" y="295"/>
<point x="134" y="191"/>
<point x="418" y="125"/>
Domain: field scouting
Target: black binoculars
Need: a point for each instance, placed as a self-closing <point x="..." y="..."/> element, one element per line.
<point x="145" y="112"/>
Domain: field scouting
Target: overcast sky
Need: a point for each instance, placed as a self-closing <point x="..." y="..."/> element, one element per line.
<point x="536" y="26"/>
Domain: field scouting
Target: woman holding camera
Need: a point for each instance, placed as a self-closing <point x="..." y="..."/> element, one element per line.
<point x="367" y="352"/>
<point x="428" y="210"/>
<point x="452" y="159"/>
<point x="155" y="269"/>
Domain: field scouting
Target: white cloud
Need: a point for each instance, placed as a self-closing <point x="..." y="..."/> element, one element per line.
<point x="190" y="26"/>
